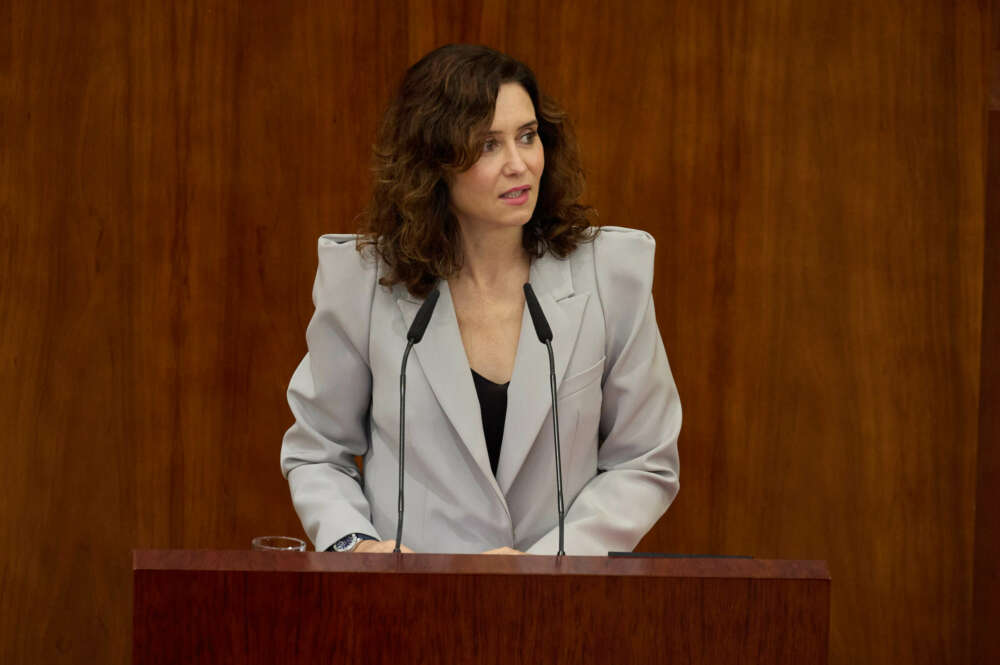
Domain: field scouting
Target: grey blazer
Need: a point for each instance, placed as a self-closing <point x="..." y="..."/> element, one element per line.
<point x="618" y="410"/>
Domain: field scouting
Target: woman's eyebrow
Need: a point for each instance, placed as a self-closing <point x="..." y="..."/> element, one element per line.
<point x="530" y="123"/>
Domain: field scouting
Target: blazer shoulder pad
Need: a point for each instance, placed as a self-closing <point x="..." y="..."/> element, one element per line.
<point x="343" y="272"/>
<point x="624" y="261"/>
<point x="623" y="266"/>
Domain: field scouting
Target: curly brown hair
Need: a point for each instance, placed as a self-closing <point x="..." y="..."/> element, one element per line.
<point x="430" y="131"/>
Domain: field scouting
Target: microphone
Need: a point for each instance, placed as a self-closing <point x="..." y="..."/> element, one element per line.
<point x="537" y="316"/>
<point x="423" y="317"/>
<point x="413" y="336"/>
<point x="544" y="333"/>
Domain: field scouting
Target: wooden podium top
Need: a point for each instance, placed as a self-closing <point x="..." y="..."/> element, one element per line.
<point x="201" y="606"/>
<point x="477" y="564"/>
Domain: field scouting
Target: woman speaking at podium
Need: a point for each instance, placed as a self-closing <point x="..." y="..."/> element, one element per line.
<point x="476" y="193"/>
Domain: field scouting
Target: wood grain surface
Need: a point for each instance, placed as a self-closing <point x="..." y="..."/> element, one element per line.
<point x="473" y="564"/>
<point x="814" y="173"/>
<point x="986" y="593"/>
<point x="251" y="607"/>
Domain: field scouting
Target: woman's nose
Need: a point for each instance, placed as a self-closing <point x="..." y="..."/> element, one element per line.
<point x="513" y="162"/>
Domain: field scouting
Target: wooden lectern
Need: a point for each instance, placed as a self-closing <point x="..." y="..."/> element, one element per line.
<point x="197" y="607"/>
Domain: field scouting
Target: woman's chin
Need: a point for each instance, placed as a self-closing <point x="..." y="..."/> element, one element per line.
<point x="518" y="217"/>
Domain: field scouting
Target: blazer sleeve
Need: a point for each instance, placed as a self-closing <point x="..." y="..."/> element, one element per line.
<point x="638" y="468"/>
<point x="330" y="395"/>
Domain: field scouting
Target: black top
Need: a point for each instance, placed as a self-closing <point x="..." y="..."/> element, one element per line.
<point x="493" y="406"/>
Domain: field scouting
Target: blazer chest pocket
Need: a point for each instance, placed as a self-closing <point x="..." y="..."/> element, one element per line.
<point x="571" y="385"/>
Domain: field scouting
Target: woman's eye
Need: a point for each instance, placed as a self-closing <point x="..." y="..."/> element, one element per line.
<point x="489" y="145"/>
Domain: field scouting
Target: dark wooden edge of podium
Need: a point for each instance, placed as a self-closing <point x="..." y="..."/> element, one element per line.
<point x="475" y="564"/>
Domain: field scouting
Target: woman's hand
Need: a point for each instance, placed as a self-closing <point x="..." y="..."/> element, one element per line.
<point x="380" y="546"/>
<point x="504" y="550"/>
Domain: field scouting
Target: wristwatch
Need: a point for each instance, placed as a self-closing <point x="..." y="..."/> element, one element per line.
<point x="349" y="542"/>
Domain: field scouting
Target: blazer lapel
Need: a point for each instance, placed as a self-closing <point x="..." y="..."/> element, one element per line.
<point x="529" y="398"/>
<point x="442" y="358"/>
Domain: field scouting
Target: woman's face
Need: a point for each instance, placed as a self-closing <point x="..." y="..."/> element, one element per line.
<point x="501" y="188"/>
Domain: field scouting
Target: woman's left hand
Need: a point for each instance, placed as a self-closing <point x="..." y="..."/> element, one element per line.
<point x="504" y="550"/>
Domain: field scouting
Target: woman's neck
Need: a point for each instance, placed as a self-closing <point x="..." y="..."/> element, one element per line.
<point x="493" y="259"/>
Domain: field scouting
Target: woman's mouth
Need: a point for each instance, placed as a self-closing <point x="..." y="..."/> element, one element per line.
<point x="516" y="196"/>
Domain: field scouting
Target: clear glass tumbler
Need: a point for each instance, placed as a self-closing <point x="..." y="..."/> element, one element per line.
<point x="277" y="544"/>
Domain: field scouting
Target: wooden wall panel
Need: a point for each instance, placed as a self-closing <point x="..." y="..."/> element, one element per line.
<point x="986" y="587"/>
<point x="814" y="173"/>
<point x="818" y="199"/>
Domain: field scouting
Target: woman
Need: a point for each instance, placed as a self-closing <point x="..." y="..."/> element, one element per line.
<point x="476" y="191"/>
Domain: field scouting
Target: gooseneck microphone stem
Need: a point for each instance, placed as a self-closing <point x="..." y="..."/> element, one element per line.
<point x="413" y="336"/>
<point x="544" y="333"/>
<point x="555" y="437"/>
<point x="402" y="443"/>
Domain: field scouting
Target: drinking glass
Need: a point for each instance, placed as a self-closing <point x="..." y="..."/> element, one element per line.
<point x="277" y="544"/>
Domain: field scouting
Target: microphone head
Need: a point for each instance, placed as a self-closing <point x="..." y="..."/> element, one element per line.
<point x="537" y="316"/>
<point x="423" y="317"/>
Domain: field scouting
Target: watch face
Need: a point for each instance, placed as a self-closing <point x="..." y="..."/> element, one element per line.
<point x="346" y="543"/>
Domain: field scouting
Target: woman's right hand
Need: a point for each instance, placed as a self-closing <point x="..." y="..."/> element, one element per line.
<point x="504" y="550"/>
<point x="380" y="546"/>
